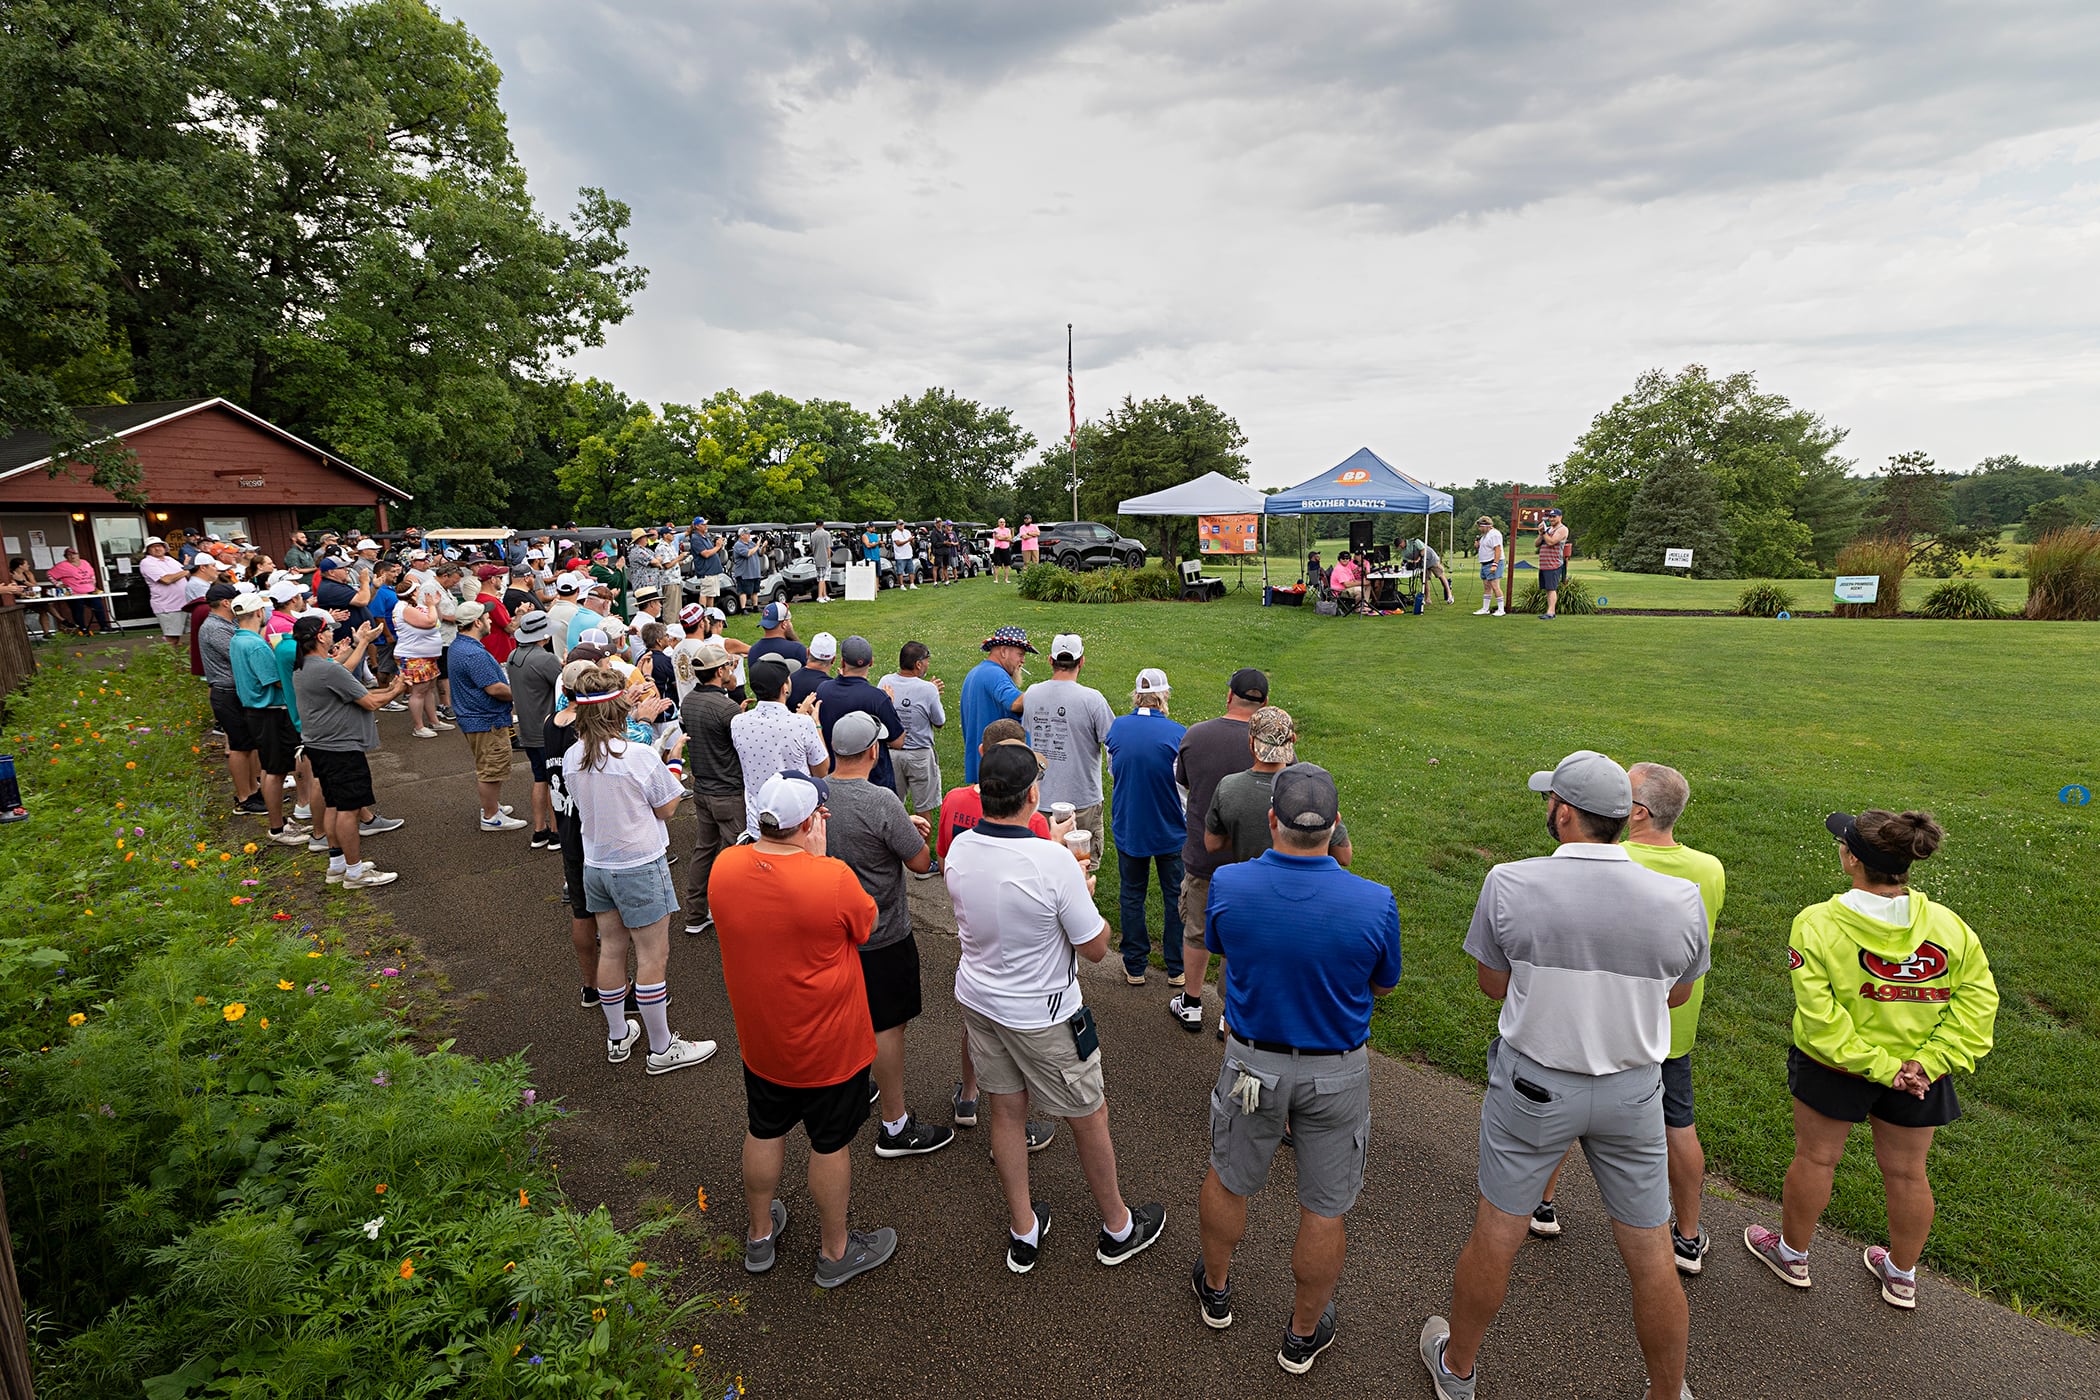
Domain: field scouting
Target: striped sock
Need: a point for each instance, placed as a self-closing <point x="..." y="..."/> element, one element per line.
<point x="653" y="1000"/>
<point x="613" y="1002"/>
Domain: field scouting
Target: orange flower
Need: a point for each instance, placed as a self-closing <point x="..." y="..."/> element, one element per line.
<point x="637" y="1269"/>
<point x="224" y="855"/>
<point x="127" y="764"/>
<point x="200" y="1000"/>
<point x="265" y="1023"/>
<point x="523" y="1199"/>
<point x="380" y="1189"/>
<point x="408" y="1268"/>
<point x="701" y="1193"/>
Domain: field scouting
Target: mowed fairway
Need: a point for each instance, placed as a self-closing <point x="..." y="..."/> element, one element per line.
<point x="1775" y="724"/>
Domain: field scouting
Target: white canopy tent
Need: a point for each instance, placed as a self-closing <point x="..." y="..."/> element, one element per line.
<point x="1212" y="493"/>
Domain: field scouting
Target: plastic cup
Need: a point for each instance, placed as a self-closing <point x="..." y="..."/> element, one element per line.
<point x="1080" y="843"/>
<point x="1062" y="811"/>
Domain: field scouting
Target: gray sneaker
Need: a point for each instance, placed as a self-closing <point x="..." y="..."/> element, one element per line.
<point x="1435" y="1333"/>
<point x="617" y="1051"/>
<point x="865" y="1250"/>
<point x="759" y="1254"/>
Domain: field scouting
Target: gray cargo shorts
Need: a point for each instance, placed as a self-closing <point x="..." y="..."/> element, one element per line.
<point x="1618" y="1119"/>
<point x="919" y="779"/>
<point x="1325" y="1099"/>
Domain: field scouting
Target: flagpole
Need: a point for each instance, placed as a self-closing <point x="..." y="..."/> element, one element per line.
<point x="1072" y="413"/>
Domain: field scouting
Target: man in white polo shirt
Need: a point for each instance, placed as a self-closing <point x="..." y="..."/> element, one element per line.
<point x="1024" y="915"/>
<point x="1587" y="951"/>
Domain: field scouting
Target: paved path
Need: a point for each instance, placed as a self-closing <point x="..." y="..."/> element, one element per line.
<point x="945" y="1317"/>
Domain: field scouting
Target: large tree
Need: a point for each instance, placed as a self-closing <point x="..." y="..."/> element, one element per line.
<point x="313" y="209"/>
<point x="1145" y="447"/>
<point x="1678" y="506"/>
<point x="1767" y="460"/>
<point x="958" y="457"/>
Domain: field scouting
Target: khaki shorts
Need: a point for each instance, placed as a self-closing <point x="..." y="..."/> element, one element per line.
<point x="491" y="754"/>
<point x="708" y="587"/>
<point x="1043" y="1063"/>
<point x="1195" y="900"/>
<point x="1088" y="819"/>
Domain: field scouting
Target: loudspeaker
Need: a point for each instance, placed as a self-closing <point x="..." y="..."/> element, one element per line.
<point x="1359" y="536"/>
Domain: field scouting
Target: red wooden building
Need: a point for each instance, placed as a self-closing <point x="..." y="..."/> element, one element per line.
<point x="208" y="466"/>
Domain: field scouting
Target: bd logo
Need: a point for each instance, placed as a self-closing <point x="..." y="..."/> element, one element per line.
<point x="1929" y="962"/>
<point x="1356" y="476"/>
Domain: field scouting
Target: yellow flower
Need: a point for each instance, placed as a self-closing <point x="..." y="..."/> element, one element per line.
<point x="284" y="984"/>
<point x="200" y="845"/>
<point x="637" y="1269"/>
<point x="120" y="843"/>
<point x="699" y="1350"/>
<point x="509" y="1264"/>
<point x="313" y="955"/>
<point x="78" y="1018"/>
<point x="200" y="1000"/>
<point x="408" y="1268"/>
<point x="265" y="1023"/>
<point x="597" y="1314"/>
<point x="234" y="1010"/>
<point x="250" y="849"/>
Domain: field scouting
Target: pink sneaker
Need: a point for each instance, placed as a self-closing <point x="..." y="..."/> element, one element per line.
<point x="1896" y="1290"/>
<point x="1765" y="1245"/>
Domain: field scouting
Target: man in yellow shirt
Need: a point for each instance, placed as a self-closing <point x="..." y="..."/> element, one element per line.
<point x="1659" y="798"/>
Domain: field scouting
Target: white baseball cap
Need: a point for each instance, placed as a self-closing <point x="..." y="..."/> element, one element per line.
<point x="155" y="539"/>
<point x="786" y="799"/>
<point x="1152" y="681"/>
<point x="363" y="545"/>
<point x="536" y="553"/>
<point x="1067" y="644"/>
<point x="284" y="592"/>
<point x="823" y="647"/>
<point x="249" y="603"/>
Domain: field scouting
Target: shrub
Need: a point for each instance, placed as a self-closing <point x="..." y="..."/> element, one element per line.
<point x="1575" y="599"/>
<point x="1887" y="558"/>
<point x="232" y="1174"/>
<point x="1961" y="598"/>
<point x="1047" y="583"/>
<point x="1763" y="600"/>
<point x="2063" y="576"/>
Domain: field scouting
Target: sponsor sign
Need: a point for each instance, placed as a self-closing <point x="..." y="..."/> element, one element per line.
<point x="1858" y="588"/>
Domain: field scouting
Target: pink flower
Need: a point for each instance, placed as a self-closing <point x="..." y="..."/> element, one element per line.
<point x="389" y="972"/>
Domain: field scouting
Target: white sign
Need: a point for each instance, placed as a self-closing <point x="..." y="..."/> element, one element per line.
<point x="861" y="582"/>
<point x="1677" y="559"/>
<point x="1858" y="588"/>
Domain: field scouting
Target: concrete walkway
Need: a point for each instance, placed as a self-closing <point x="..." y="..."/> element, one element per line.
<point x="945" y="1317"/>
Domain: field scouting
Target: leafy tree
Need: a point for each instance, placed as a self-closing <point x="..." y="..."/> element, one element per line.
<point x="2000" y="490"/>
<point x="864" y="474"/>
<point x="753" y="458"/>
<point x="1910" y="498"/>
<point x="1762" y="454"/>
<point x="1678" y="506"/>
<point x="958" y="456"/>
<point x="1144" y="447"/>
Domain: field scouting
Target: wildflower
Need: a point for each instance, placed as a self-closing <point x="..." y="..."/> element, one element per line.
<point x="241" y="899"/>
<point x="536" y="1359"/>
<point x="265" y="1023"/>
<point x="701" y="1193"/>
<point x="225" y="855"/>
<point x="234" y="1010"/>
<point x="408" y="1268"/>
<point x="281" y="917"/>
<point x="200" y="1000"/>
<point x="251" y="882"/>
<point x="283" y="985"/>
<point x="200" y="845"/>
<point x="637" y="1269"/>
<point x="250" y="849"/>
<point x="380" y="1189"/>
<point x="699" y="1350"/>
<point x="597" y="1314"/>
<point x="138" y="831"/>
<point x="508" y="1265"/>
<point x="120" y="843"/>
<point x="389" y="972"/>
<point x="523" y="1199"/>
<point x="128" y="763"/>
<point x="530" y="1096"/>
<point x="78" y="1018"/>
<point x="382" y="1081"/>
<point x="313" y="955"/>
<point x="371" y="1227"/>
<point x="107" y="1112"/>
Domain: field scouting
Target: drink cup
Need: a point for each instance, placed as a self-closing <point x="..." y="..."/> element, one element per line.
<point x="1080" y="843"/>
<point x="1061" y="811"/>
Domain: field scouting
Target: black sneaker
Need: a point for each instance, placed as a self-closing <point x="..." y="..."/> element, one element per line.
<point x="1146" y="1221"/>
<point x="252" y="806"/>
<point x="1020" y="1254"/>
<point x="590" y="997"/>
<point x="915" y="1140"/>
<point x="1217" y="1302"/>
<point x="540" y="840"/>
<point x="699" y="925"/>
<point x="1297" y="1353"/>
<point x="1691" y="1253"/>
<point x="1544" y="1223"/>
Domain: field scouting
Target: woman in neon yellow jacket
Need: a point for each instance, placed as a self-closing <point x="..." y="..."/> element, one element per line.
<point x="1892" y="994"/>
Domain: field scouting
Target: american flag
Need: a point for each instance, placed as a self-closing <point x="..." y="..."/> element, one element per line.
<point x="1071" y="393"/>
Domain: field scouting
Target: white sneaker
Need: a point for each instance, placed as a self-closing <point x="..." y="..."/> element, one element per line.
<point x="502" y="822"/>
<point x="1502" y="612"/>
<point x="335" y="877"/>
<point x="1190" y="1017"/>
<point x="302" y="813"/>
<point x="371" y="878"/>
<point x="289" y="836"/>
<point x="442" y="724"/>
<point x="617" y="1051"/>
<point x="679" y="1054"/>
<point x="423" y="733"/>
<point x="1481" y="611"/>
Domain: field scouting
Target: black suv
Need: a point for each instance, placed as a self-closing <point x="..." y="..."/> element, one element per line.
<point x="1082" y="544"/>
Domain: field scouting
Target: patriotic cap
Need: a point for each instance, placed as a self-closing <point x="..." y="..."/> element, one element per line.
<point x="1009" y="637"/>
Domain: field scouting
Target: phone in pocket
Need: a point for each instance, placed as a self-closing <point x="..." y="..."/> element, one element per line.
<point x="1086" y="1037"/>
<point x="1531" y="1091"/>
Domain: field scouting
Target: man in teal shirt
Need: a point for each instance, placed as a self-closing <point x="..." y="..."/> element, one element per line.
<point x="264" y="692"/>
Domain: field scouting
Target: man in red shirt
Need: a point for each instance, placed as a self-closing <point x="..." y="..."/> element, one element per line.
<point x="1553" y="560"/>
<point x="790" y="921"/>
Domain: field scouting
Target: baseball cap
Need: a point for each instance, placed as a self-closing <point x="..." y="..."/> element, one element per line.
<point x="787" y="799"/>
<point x="1250" y="684"/>
<point x="203" y="561"/>
<point x="536" y="553"/>
<point x="247" y="604"/>
<point x="363" y="545"/>
<point x="647" y="595"/>
<point x="1010" y="637"/>
<point x="1304" y="798"/>
<point x="281" y="592"/>
<point x="1066" y="646"/>
<point x="1275" y="735"/>
<point x="710" y="655"/>
<point x="565" y="586"/>
<point x="855" y="733"/>
<point x="594" y="637"/>
<point x="1555" y="510"/>
<point x="1590" y="781"/>
<point x="573" y="670"/>
<point x="691" y="614"/>
<point x="699" y="520"/>
<point x="331" y="563"/>
<point x="613" y="625"/>
<point x="855" y="651"/>
<point x="1006" y="771"/>
<point x="767" y="677"/>
<point x="155" y="539"/>
<point x="823" y="647"/>
<point x="1152" y="681"/>
<point x="774" y="615"/>
<point x="715" y="614"/>
<point x="468" y="614"/>
<point x="221" y="592"/>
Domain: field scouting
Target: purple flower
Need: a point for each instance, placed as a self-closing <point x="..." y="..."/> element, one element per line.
<point x="389" y="972"/>
<point x="138" y="831"/>
<point x="531" y="1096"/>
<point x="381" y="1080"/>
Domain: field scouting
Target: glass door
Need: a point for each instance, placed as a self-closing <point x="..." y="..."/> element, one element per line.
<point x="120" y="542"/>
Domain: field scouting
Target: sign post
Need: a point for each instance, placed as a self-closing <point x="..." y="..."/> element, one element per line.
<point x="1678" y="559"/>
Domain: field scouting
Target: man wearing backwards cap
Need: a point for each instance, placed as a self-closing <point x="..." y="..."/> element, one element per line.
<point x="870" y="831"/>
<point x="1587" y="951"/>
<point x="790" y="920"/>
<point x="849" y="693"/>
<point x="1067" y="724"/>
<point x="770" y="738"/>
<point x="1308" y="947"/>
<point x="823" y="655"/>
<point x="1209" y="751"/>
<point x="989" y="692"/>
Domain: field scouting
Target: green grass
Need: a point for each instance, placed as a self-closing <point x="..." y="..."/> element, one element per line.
<point x="1775" y="724"/>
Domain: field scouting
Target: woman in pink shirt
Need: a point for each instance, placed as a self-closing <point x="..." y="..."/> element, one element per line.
<point x="77" y="576"/>
<point x="1002" y="549"/>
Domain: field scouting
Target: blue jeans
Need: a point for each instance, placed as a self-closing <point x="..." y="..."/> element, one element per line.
<point x="1137" y="947"/>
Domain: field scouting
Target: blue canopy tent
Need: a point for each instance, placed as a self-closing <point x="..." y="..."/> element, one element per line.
<point x="1365" y="483"/>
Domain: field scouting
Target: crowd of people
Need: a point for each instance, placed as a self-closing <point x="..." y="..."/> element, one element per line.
<point x="819" y="799"/>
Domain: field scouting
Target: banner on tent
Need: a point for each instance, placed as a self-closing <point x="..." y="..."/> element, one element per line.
<point x="1229" y="534"/>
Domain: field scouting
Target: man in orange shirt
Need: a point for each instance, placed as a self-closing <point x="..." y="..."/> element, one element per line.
<point x="790" y="921"/>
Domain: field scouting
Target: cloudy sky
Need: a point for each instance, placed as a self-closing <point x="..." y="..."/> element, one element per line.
<point x="1452" y="230"/>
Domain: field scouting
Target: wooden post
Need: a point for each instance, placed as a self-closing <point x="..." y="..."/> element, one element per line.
<point x="379" y="509"/>
<point x="17" y="658"/>
<point x="16" y="1383"/>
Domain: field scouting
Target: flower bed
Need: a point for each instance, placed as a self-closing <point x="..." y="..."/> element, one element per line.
<point x="227" y="1171"/>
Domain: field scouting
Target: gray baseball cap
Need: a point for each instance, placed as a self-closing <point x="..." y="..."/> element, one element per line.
<point x="1304" y="798"/>
<point x="855" y="733"/>
<point x="1588" y="780"/>
<point x="855" y="651"/>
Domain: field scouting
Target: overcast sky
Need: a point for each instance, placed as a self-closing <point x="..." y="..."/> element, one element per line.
<point x="1451" y="230"/>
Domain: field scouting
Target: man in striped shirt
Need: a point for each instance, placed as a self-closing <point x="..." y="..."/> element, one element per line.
<point x="1553" y="560"/>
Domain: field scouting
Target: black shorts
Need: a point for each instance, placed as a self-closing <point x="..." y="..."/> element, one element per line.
<point x="892" y="975"/>
<point x="1552" y="579"/>
<point x="444" y="663"/>
<point x="1851" y="1099"/>
<point x="571" y="828"/>
<point x="276" y="740"/>
<point x="1002" y="556"/>
<point x="832" y="1114"/>
<point x="536" y="756"/>
<point x="345" y="778"/>
<point x="232" y="720"/>
<point x="1677" y="1091"/>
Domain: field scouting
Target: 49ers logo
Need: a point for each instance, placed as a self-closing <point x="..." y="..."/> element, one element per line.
<point x="1928" y="963"/>
<point x="1793" y="959"/>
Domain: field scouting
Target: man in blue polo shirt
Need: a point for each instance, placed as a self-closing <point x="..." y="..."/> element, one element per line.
<point x="1307" y="948"/>
<point x="1148" y="823"/>
<point x="849" y="691"/>
<point x="989" y="692"/>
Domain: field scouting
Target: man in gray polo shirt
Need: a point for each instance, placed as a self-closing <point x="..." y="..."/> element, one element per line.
<point x="1586" y="951"/>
